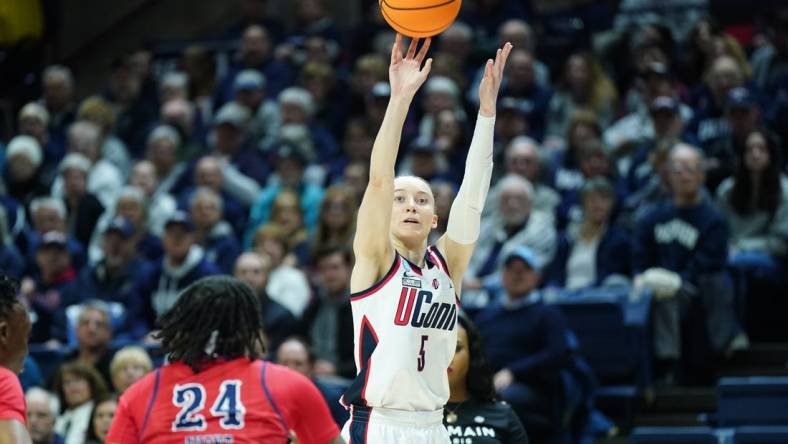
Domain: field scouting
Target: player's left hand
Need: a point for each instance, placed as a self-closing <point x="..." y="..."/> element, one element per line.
<point x="504" y="378"/>
<point x="491" y="82"/>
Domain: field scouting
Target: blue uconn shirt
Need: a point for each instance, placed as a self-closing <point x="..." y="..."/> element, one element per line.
<point x="689" y="240"/>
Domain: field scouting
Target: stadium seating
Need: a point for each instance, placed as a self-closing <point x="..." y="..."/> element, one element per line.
<point x="761" y="434"/>
<point x="674" y="435"/>
<point x="757" y="400"/>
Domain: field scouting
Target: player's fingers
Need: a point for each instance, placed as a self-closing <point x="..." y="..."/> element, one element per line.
<point x="507" y="49"/>
<point x="414" y="43"/>
<point x="427" y="66"/>
<point x="488" y="68"/>
<point x="396" y="50"/>
<point x="423" y="51"/>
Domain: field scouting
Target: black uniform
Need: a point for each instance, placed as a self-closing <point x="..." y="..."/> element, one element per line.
<point x="471" y="422"/>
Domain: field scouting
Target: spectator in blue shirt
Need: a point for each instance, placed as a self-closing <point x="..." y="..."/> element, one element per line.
<point x="680" y="253"/>
<point x="525" y="339"/>
<point x="211" y="231"/>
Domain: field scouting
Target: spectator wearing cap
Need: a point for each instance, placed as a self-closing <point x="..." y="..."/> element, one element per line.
<point x="680" y="253"/>
<point x="210" y="172"/>
<point x="515" y="223"/>
<point x="230" y="141"/>
<point x="137" y="111"/>
<point x="289" y="163"/>
<point x="212" y="232"/>
<point x="298" y="107"/>
<point x="57" y="96"/>
<point x="33" y="121"/>
<point x="184" y="262"/>
<point x="525" y="339"/>
<point x="43" y="290"/>
<point x="256" y="52"/>
<point x="249" y="87"/>
<point x="115" y="278"/>
<point x="83" y="209"/>
<point x="593" y="252"/>
<point x="25" y="175"/>
<point x="742" y="117"/>
<point x="104" y="178"/>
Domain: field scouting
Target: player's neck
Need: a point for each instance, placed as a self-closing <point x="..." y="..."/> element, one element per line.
<point x="412" y="251"/>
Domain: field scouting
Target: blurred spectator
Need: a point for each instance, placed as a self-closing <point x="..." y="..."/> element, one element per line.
<point x="485" y="17"/>
<point x="296" y="354"/>
<point x="680" y="16"/>
<point x="249" y="86"/>
<point x="337" y="219"/>
<point x="451" y="140"/>
<point x="174" y="86"/>
<point x="472" y="394"/>
<point x="163" y="145"/>
<point x="444" y="194"/>
<point x="212" y="232"/>
<point x="287" y="216"/>
<point x="709" y="100"/>
<point x="526" y="339"/>
<point x="101" y="418"/>
<point x="289" y="163"/>
<point x="200" y="66"/>
<point x="770" y="61"/>
<point x="254" y="270"/>
<point x="522" y="158"/>
<point x="742" y="116"/>
<point x="356" y="147"/>
<point x="25" y="176"/>
<point x="286" y="284"/>
<point x="97" y="110"/>
<point x="47" y="214"/>
<point x="523" y="84"/>
<point x="256" y="12"/>
<point x="180" y="114"/>
<point x="297" y="106"/>
<point x="104" y="178"/>
<point x="83" y="209"/>
<point x="424" y="160"/>
<point x="328" y="320"/>
<point x="161" y="204"/>
<point x="93" y="330"/>
<point x="681" y="251"/>
<point x="755" y="204"/>
<point x="584" y="85"/>
<point x="457" y="42"/>
<point x="57" y="96"/>
<point x="256" y="52"/>
<point x="356" y="177"/>
<point x="78" y="386"/>
<point x="368" y="71"/>
<point x="128" y="366"/>
<point x="328" y="92"/>
<point x="114" y="279"/>
<point x="511" y="121"/>
<point x="230" y="141"/>
<point x="582" y="127"/>
<point x="515" y="224"/>
<point x="184" y="262"/>
<point x="213" y="173"/>
<point x="136" y="110"/>
<point x="594" y="252"/>
<point x="42" y="409"/>
<point x="33" y="121"/>
<point x="44" y="291"/>
<point x="651" y="184"/>
<point x="312" y="18"/>
<point x="440" y="94"/>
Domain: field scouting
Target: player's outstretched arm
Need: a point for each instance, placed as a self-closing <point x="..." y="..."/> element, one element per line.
<point x="372" y="245"/>
<point x="462" y="229"/>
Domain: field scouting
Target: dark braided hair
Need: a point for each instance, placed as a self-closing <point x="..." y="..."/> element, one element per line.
<point x="220" y="304"/>
<point x="479" y="378"/>
<point x="7" y="295"/>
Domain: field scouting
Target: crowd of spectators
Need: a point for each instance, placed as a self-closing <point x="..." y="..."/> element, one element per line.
<point x="652" y="158"/>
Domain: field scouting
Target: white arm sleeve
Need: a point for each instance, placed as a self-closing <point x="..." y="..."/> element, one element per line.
<point x="466" y="210"/>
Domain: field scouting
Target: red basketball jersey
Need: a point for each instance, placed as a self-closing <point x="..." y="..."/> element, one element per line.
<point x="238" y="401"/>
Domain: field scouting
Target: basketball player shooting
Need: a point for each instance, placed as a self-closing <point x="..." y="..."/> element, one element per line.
<point x="404" y="292"/>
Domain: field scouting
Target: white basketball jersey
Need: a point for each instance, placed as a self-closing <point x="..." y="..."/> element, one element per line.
<point x="405" y="337"/>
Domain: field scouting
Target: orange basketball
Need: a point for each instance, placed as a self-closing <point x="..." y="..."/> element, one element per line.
<point x="420" y="18"/>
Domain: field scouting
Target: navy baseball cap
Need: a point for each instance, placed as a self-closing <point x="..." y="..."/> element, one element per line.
<point x="740" y="97"/>
<point x="122" y="226"/>
<point x="664" y="103"/>
<point x="524" y="254"/>
<point x="180" y="218"/>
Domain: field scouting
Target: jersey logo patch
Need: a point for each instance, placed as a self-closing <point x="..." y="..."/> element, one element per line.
<point x="411" y="282"/>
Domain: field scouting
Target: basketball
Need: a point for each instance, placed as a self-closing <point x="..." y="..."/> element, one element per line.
<point x="420" y="18"/>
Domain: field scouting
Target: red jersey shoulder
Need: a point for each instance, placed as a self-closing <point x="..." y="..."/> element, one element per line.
<point x="12" y="399"/>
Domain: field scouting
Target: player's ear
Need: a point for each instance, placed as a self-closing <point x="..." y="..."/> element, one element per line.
<point x="434" y="221"/>
<point x="5" y="329"/>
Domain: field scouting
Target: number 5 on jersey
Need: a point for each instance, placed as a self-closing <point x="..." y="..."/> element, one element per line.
<point x="421" y="360"/>
<point x="191" y="399"/>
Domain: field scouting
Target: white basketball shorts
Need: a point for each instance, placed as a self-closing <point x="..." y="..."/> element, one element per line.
<point x="376" y="425"/>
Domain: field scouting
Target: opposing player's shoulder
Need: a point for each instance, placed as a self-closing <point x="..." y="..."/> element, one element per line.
<point x="144" y="387"/>
<point x="279" y="376"/>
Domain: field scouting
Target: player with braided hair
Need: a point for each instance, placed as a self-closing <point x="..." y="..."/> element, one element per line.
<point x="14" y="331"/>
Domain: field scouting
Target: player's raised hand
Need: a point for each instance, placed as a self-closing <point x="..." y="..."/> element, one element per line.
<point x="491" y="82"/>
<point x="406" y="74"/>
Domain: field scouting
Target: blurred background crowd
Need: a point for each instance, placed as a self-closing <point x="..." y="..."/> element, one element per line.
<point x="639" y="152"/>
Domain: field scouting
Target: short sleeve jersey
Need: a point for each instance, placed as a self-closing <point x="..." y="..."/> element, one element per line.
<point x="238" y="401"/>
<point x="12" y="399"/>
